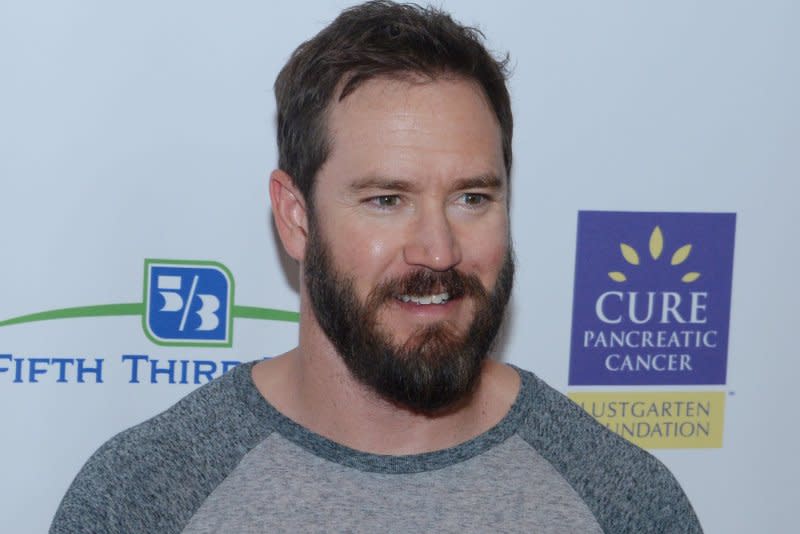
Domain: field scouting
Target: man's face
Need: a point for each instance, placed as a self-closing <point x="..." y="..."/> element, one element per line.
<point x="408" y="264"/>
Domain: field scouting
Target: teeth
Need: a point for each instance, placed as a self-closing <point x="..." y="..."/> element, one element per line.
<point x="439" y="298"/>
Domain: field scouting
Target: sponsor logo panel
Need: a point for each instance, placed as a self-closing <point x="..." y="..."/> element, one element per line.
<point x="651" y="308"/>
<point x="185" y="303"/>
<point x="188" y="303"/>
<point x="660" y="420"/>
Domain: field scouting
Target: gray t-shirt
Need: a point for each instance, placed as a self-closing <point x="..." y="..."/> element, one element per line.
<point x="224" y="460"/>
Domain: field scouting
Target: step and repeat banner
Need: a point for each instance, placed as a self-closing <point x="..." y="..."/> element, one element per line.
<point x="653" y="212"/>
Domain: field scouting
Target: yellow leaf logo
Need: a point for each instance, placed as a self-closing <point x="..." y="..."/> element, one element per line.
<point x="629" y="253"/>
<point x="656" y="243"/>
<point x="656" y="247"/>
<point x="681" y="254"/>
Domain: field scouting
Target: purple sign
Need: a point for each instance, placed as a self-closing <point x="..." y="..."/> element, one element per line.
<point x="652" y="298"/>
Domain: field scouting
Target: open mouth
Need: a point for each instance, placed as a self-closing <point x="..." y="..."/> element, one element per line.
<point x="424" y="300"/>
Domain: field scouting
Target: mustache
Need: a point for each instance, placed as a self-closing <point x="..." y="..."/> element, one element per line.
<point x="426" y="282"/>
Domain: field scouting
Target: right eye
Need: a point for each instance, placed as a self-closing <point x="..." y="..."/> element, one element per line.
<point x="385" y="201"/>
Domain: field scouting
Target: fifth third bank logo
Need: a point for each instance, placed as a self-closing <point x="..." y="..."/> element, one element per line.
<point x="188" y="303"/>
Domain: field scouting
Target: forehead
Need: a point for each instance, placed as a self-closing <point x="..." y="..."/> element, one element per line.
<point x="414" y="128"/>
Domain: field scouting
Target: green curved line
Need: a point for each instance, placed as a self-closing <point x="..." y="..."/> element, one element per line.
<point x="100" y="310"/>
<point x="268" y="314"/>
<point x="137" y="308"/>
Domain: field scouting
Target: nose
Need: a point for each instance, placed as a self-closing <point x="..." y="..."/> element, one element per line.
<point x="432" y="242"/>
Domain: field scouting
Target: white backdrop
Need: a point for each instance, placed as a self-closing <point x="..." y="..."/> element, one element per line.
<point x="146" y="130"/>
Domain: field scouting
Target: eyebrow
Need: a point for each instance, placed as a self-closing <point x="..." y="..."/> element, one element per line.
<point x="375" y="182"/>
<point x="489" y="181"/>
<point x="479" y="182"/>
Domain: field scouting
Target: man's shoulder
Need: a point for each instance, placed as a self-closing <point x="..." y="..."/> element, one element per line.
<point x="212" y="412"/>
<point x="152" y="476"/>
<point x="627" y="489"/>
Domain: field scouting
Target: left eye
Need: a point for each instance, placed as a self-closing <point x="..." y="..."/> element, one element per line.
<point x="473" y="199"/>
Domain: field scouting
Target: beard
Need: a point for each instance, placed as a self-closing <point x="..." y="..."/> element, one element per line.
<point x="437" y="366"/>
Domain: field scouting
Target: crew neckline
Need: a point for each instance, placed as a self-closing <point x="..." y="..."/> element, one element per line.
<point x="383" y="463"/>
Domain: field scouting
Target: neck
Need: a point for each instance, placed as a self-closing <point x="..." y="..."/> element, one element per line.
<point x="312" y="386"/>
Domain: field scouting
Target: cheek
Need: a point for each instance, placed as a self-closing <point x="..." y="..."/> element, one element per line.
<point x="484" y="252"/>
<point x="493" y="262"/>
<point x="364" y="255"/>
<point x="377" y="248"/>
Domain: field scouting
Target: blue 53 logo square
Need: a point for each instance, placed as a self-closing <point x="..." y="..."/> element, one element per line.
<point x="188" y="303"/>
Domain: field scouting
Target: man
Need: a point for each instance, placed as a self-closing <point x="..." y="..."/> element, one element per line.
<point x="394" y="132"/>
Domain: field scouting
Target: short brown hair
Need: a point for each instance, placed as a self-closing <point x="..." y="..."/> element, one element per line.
<point x="377" y="38"/>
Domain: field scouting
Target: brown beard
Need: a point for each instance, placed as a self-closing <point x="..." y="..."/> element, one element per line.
<point x="437" y="367"/>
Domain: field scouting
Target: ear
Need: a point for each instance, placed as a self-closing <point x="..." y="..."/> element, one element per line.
<point x="289" y="212"/>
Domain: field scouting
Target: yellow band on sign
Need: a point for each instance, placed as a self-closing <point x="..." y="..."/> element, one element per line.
<point x="660" y="420"/>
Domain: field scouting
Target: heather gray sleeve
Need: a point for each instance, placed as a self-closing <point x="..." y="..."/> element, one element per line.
<point x="153" y="477"/>
<point x="627" y="489"/>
